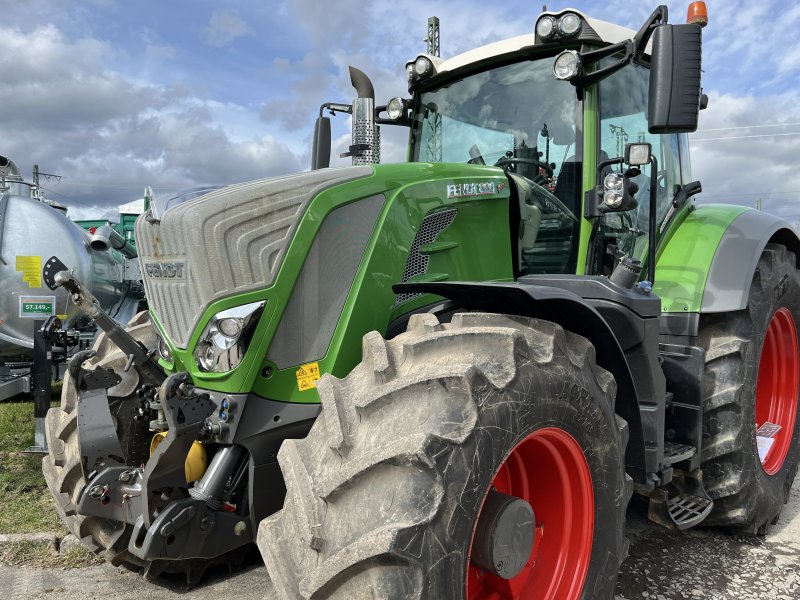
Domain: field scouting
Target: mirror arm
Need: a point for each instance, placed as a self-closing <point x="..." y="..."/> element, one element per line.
<point x="634" y="49"/>
<point x="594" y="56"/>
<point x="334" y="107"/>
<point x="659" y="17"/>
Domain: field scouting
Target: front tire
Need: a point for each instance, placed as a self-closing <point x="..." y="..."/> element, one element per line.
<point x="385" y="494"/>
<point x="751" y="377"/>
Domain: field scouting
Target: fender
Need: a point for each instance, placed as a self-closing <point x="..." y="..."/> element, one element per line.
<point x="574" y="314"/>
<point x="709" y="262"/>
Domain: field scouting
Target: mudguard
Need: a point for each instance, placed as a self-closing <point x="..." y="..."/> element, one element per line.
<point x="574" y="314"/>
<point x="709" y="262"/>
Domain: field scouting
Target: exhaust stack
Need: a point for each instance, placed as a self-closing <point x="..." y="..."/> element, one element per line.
<point x="366" y="148"/>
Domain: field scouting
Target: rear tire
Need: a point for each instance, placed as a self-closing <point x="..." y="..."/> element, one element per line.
<point x="384" y="495"/>
<point x="748" y="494"/>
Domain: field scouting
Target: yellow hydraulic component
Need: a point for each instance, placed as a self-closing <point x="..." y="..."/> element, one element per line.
<point x="196" y="461"/>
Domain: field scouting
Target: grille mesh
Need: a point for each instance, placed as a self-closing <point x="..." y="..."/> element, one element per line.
<point x="417" y="263"/>
<point x="313" y="310"/>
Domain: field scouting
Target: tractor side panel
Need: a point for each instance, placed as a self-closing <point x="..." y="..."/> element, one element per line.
<point x="710" y="259"/>
<point x="736" y="258"/>
<point x="682" y="267"/>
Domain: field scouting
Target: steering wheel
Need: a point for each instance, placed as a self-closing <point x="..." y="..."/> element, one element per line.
<point x="512" y="160"/>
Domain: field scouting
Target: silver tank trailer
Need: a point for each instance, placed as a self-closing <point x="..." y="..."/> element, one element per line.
<point x="32" y="231"/>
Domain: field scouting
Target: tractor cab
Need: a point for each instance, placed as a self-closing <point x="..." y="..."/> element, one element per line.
<point x="558" y="109"/>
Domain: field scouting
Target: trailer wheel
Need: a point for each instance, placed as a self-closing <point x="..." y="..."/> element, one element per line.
<point x="65" y="477"/>
<point x="471" y="460"/>
<point x="752" y="377"/>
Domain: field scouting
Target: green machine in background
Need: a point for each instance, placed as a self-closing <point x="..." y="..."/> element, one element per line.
<point x="128" y="213"/>
<point x="445" y="378"/>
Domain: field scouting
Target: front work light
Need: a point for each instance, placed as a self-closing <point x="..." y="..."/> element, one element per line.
<point x="226" y="337"/>
<point x="569" y="24"/>
<point x="396" y="108"/>
<point x="423" y="66"/>
<point x="568" y="65"/>
<point x="612" y="190"/>
<point x="637" y="155"/>
<point x="546" y="27"/>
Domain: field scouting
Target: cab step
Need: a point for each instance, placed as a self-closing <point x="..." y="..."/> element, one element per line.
<point x="675" y="453"/>
<point x="681" y="504"/>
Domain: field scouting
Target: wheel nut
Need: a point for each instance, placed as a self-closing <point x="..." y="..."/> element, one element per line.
<point x="97" y="491"/>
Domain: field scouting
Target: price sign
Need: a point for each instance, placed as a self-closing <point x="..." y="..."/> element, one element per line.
<point x="37" y="307"/>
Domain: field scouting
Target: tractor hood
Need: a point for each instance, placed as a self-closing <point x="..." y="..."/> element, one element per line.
<point x="231" y="240"/>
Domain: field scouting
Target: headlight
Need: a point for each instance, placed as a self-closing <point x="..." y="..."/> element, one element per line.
<point x="206" y="357"/>
<point x="230" y="327"/>
<point x="226" y="337"/>
<point x="163" y="350"/>
<point x="568" y="65"/>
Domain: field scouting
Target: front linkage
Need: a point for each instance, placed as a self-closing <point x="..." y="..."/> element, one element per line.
<point x="170" y="520"/>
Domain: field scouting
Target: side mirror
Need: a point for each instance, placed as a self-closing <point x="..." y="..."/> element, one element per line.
<point x="675" y="92"/>
<point x="321" y="152"/>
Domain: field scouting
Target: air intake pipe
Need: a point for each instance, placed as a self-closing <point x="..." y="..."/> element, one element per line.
<point x="105" y="238"/>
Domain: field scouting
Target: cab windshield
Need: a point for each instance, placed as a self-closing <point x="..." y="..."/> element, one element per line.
<point x="519" y="117"/>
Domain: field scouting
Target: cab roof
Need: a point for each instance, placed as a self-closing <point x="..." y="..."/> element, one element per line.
<point x="609" y="33"/>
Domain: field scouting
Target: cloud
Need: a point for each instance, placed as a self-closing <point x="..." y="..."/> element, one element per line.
<point x="744" y="151"/>
<point x="108" y="135"/>
<point x="378" y="39"/>
<point x="112" y="101"/>
<point x="225" y="27"/>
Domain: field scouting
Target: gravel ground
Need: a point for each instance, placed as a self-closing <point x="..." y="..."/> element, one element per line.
<point x="696" y="564"/>
<point x="704" y="563"/>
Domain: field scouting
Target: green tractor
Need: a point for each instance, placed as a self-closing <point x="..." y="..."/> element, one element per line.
<point x="446" y="378"/>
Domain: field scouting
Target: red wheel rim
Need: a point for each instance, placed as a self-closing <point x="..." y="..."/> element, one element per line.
<point x="549" y="471"/>
<point x="777" y="385"/>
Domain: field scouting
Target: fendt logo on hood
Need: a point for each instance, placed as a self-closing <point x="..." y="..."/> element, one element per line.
<point x="466" y="190"/>
<point x="163" y="270"/>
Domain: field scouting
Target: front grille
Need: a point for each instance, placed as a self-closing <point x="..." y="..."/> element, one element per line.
<point x="417" y="263"/>
<point x="229" y="241"/>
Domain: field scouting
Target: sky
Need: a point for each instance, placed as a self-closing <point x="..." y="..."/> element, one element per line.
<point x="114" y="95"/>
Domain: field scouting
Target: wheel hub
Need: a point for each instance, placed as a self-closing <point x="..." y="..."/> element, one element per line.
<point x="504" y="537"/>
<point x="548" y="472"/>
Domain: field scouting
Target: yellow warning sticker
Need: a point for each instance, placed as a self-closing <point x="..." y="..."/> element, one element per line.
<point x="31" y="268"/>
<point x="307" y="376"/>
